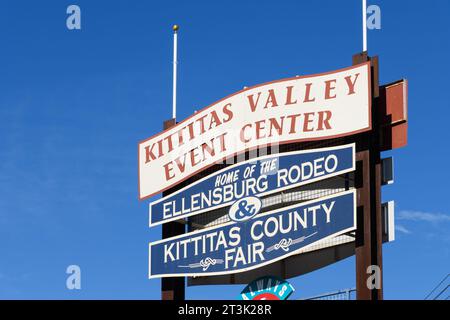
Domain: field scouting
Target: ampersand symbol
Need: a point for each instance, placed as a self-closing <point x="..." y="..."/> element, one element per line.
<point x="245" y="210"/>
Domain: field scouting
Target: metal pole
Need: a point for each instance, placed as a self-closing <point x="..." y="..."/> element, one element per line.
<point x="368" y="242"/>
<point x="172" y="288"/>
<point x="364" y="23"/>
<point x="175" y="62"/>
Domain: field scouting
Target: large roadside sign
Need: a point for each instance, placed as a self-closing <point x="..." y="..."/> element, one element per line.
<point x="264" y="239"/>
<point x="304" y="108"/>
<point x="257" y="177"/>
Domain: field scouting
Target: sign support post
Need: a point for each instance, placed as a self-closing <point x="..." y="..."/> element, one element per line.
<point x="172" y="288"/>
<point x="368" y="245"/>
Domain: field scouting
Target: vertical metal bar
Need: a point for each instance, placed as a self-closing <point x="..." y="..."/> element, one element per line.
<point x="375" y="178"/>
<point x="172" y="288"/>
<point x="364" y="24"/>
<point x="362" y="241"/>
<point x="368" y="244"/>
<point x="175" y="63"/>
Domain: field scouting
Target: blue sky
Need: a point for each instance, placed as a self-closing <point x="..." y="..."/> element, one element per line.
<point x="74" y="104"/>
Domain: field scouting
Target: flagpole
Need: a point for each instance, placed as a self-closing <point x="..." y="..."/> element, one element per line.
<point x="364" y="22"/>
<point x="175" y="62"/>
<point x="173" y="288"/>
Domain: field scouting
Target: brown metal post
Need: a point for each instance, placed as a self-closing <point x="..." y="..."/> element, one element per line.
<point x="172" y="288"/>
<point x="375" y="178"/>
<point x="362" y="241"/>
<point x="368" y="244"/>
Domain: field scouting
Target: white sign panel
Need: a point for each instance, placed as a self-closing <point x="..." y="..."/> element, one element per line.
<point x="297" y="109"/>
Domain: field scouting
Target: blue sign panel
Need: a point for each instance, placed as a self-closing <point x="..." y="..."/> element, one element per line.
<point x="257" y="177"/>
<point x="242" y="246"/>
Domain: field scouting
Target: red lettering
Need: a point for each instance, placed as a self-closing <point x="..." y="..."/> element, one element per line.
<point x="324" y="120"/>
<point x="252" y="103"/>
<point x="226" y="109"/>
<point x="242" y="133"/>
<point x="351" y="84"/>
<point x="293" y="119"/>
<point x="328" y="89"/>
<point x="215" y="121"/>
<point x="308" y="93"/>
<point x="181" y="165"/>
<point x="193" y="153"/>
<point x="277" y="125"/>
<point x="149" y="156"/>
<point x="260" y="125"/>
<point x="169" y="142"/>
<point x="289" y="96"/>
<point x="202" y="123"/>
<point x="168" y="168"/>
<point x="190" y="127"/>
<point x="271" y="99"/>
<point x="307" y="121"/>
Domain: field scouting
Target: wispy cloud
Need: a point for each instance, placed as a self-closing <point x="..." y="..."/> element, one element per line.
<point x="402" y="229"/>
<point x="423" y="216"/>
